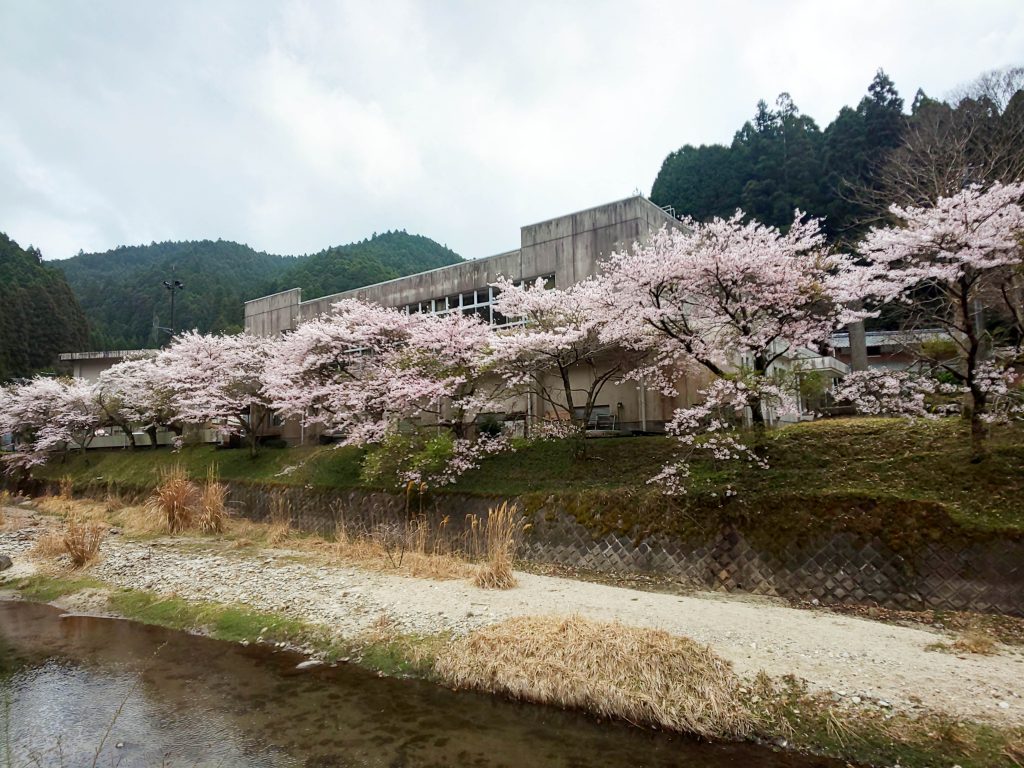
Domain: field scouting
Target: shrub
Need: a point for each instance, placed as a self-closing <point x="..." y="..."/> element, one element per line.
<point x="174" y="500"/>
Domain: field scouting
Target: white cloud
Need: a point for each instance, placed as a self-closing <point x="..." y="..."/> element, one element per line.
<point x="301" y="125"/>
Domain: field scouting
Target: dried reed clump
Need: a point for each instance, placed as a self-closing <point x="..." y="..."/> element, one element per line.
<point x="66" y="487"/>
<point x="280" y="526"/>
<point x="82" y="539"/>
<point x="211" y="517"/>
<point x="79" y="538"/>
<point x="644" y="676"/>
<point x="174" y="500"/>
<point x="498" y="538"/>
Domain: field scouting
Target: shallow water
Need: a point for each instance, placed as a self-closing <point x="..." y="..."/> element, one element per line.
<point x="168" y="698"/>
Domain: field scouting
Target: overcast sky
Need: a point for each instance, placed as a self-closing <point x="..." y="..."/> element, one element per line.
<point x="293" y="126"/>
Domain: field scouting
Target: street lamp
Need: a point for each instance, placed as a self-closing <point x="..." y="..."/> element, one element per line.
<point x="173" y="286"/>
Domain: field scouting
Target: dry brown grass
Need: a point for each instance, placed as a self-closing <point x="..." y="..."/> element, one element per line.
<point x="174" y="500"/>
<point x="138" y="520"/>
<point x="66" y="487"/>
<point x="82" y="540"/>
<point x="49" y="545"/>
<point x="643" y="676"/>
<point x="416" y="548"/>
<point x="211" y="517"/>
<point x="975" y="642"/>
<point x="78" y="537"/>
<point x="501" y="535"/>
<point x="279" y="528"/>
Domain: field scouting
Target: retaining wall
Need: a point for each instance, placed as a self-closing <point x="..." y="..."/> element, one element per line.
<point x="984" y="576"/>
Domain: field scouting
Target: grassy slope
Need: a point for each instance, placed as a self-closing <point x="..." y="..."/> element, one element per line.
<point x="819" y="471"/>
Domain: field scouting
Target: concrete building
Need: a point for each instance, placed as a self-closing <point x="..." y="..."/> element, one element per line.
<point x="563" y="251"/>
<point x="89" y="365"/>
<point x="566" y="250"/>
<point x="890" y="350"/>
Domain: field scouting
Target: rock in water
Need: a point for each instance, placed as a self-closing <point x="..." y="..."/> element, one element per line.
<point x="5" y="562"/>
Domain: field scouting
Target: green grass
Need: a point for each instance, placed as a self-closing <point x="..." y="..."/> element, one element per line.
<point x="224" y="622"/>
<point x="859" y="472"/>
<point x="44" y="589"/>
<point x="811" y="722"/>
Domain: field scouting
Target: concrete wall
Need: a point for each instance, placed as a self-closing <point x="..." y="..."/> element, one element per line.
<point x="270" y="315"/>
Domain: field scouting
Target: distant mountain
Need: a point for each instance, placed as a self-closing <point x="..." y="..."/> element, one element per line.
<point x="381" y="257"/>
<point x="122" y="291"/>
<point x="39" y="315"/>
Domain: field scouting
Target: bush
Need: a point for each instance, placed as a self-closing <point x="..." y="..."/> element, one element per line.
<point x="401" y="454"/>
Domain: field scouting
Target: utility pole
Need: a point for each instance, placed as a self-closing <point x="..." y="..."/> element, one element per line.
<point x="173" y="286"/>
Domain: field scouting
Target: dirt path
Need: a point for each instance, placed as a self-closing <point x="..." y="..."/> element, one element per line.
<point x="862" y="661"/>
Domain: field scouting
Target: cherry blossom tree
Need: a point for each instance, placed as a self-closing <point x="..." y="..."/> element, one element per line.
<point x="364" y="370"/>
<point x="729" y="296"/>
<point x="329" y="370"/>
<point x="218" y="378"/>
<point x="443" y="372"/>
<point x="46" y="415"/>
<point x="951" y="263"/>
<point x="563" y="330"/>
<point x="134" y="393"/>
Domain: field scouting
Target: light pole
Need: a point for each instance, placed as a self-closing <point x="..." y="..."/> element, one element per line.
<point x="173" y="286"/>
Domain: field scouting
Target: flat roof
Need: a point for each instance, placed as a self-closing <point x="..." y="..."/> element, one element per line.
<point x="110" y="354"/>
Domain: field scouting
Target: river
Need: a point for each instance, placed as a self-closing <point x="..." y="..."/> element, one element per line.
<point x="83" y="691"/>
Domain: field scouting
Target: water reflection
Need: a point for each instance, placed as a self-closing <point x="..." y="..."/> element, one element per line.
<point x="190" y="701"/>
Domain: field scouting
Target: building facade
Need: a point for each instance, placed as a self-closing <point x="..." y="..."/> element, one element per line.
<point x="562" y="251"/>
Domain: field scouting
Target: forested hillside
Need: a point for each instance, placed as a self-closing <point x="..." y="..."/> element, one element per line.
<point x="122" y="291"/>
<point x="381" y="257"/>
<point x="870" y="155"/>
<point x="39" y="316"/>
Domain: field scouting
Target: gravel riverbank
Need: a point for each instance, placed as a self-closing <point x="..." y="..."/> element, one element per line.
<point x="862" y="662"/>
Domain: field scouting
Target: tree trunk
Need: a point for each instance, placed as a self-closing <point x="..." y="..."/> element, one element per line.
<point x="578" y="445"/>
<point x="758" y="425"/>
<point x="151" y="431"/>
<point x="979" y="428"/>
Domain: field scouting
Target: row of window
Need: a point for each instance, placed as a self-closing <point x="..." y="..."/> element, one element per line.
<point x="477" y="302"/>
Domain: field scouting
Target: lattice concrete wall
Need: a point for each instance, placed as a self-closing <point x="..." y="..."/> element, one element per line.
<point x="840" y="568"/>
